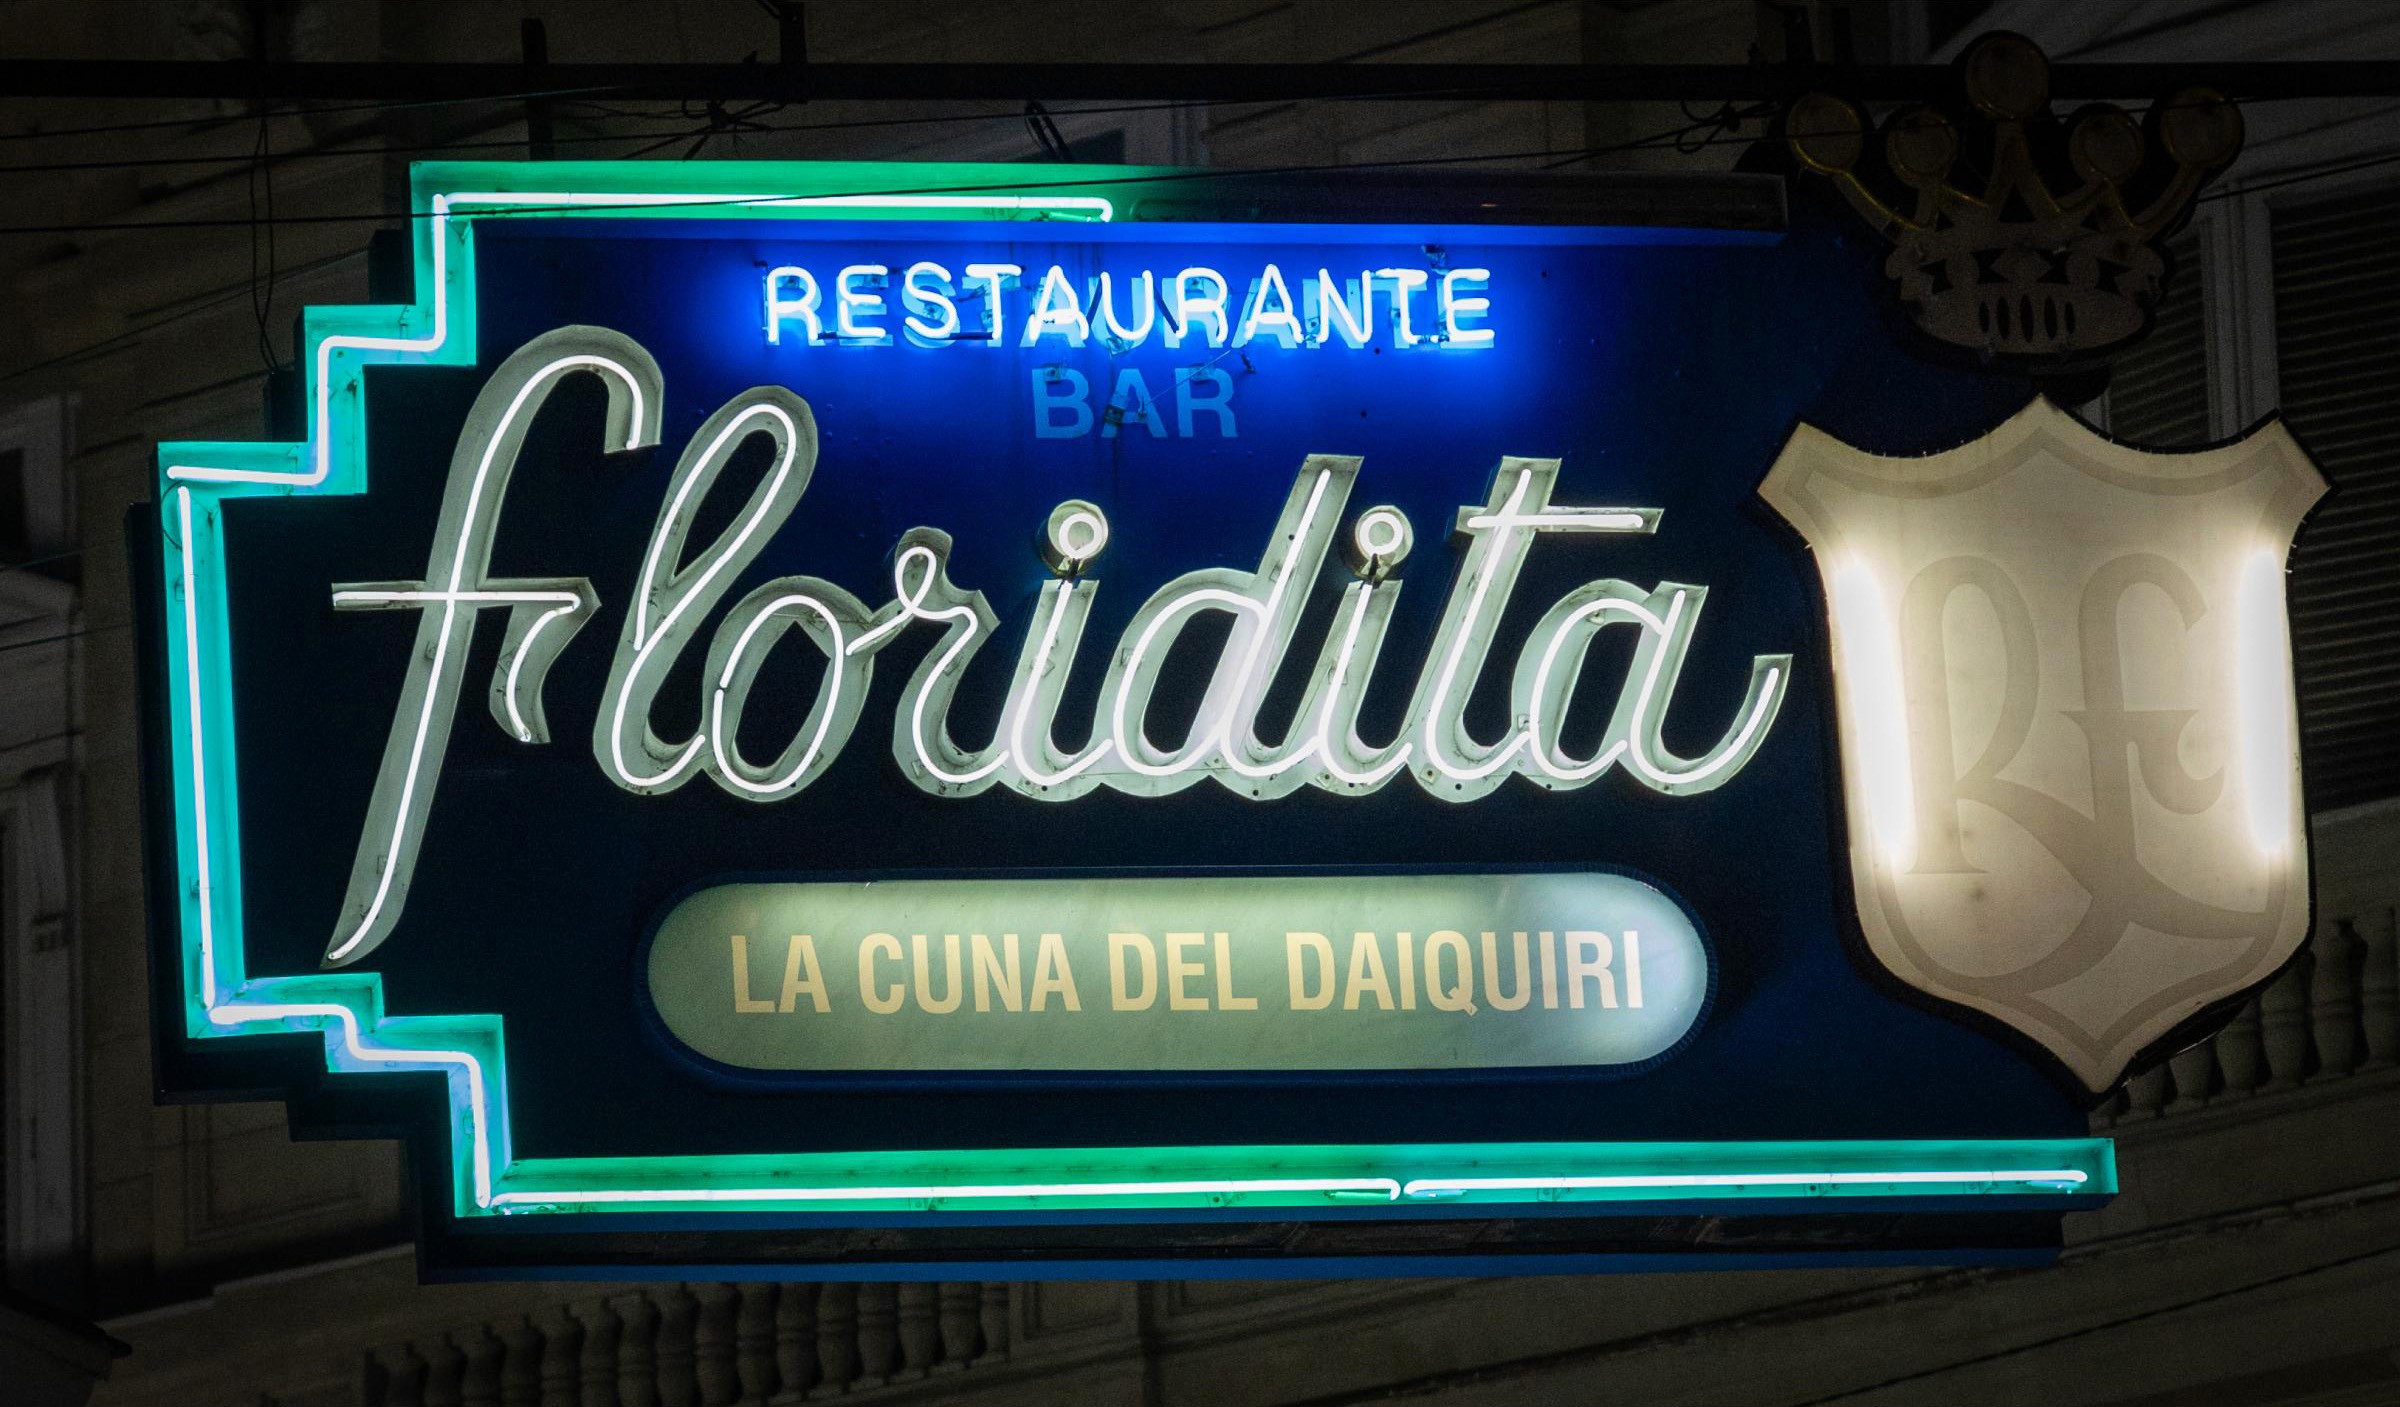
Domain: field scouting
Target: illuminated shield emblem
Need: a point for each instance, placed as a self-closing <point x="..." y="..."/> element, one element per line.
<point x="2069" y="753"/>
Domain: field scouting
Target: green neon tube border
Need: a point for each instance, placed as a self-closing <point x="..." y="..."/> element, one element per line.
<point x="346" y="1008"/>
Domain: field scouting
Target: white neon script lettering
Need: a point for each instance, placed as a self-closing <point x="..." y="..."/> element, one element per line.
<point x="678" y="589"/>
<point x="544" y="615"/>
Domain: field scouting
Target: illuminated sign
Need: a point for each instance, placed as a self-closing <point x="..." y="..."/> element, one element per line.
<point x="2070" y="739"/>
<point x="1180" y="974"/>
<point x="1126" y="716"/>
<point x="864" y="305"/>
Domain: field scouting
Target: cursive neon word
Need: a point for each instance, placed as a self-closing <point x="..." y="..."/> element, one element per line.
<point x="680" y="584"/>
<point x="928" y="304"/>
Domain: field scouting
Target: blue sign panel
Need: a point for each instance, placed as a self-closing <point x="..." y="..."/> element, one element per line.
<point x="793" y="715"/>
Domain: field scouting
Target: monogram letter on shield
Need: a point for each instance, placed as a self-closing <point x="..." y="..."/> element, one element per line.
<point x="2069" y="754"/>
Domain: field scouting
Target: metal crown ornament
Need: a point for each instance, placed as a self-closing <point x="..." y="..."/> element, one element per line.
<point x="1992" y="252"/>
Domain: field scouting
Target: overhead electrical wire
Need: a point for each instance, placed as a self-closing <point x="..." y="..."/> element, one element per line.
<point x="489" y="143"/>
<point x="1197" y="175"/>
<point x="158" y="124"/>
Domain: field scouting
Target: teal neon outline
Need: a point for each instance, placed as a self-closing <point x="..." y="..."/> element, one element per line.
<point x="222" y="999"/>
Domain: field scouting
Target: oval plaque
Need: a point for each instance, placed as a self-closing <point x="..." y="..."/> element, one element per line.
<point x="1216" y="973"/>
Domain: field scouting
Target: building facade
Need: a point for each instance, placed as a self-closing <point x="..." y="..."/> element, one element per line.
<point x="2252" y="1258"/>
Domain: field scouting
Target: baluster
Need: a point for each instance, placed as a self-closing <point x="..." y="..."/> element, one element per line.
<point x="597" y="1365"/>
<point x="2333" y="1001"/>
<point x="403" y="1376"/>
<point x="2283" y="1026"/>
<point x="374" y="1384"/>
<point x="2239" y="1055"/>
<point x="878" y="1329"/>
<point x="637" y="1351"/>
<point x="837" y="1334"/>
<point x="2195" y="1069"/>
<point x="445" y="1368"/>
<point x="2146" y="1093"/>
<point x="479" y="1386"/>
<point x="562" y="1349"/>
<point x="521" y="1354"/>
<point x="920" y="1334"/>
<point x="796" y="1338"/>
<point x="678" y="1355"/>
<point x="995" y="1319"/>
<point x="719" y="1377"/>
<point x="754" y="1342"/>
<point x="958" y="1300"/>
<point x="2379" y="990"/>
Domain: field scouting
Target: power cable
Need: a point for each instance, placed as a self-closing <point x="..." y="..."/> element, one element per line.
<point x="387" y="105"/>
<point x="31" y="562"/>
<point x="190" y="311"/>
<point x="64" y="635"/>
<point x="1211" y="174"/>
<point x="843" y="125"/>
<point x="2299" y="177"/>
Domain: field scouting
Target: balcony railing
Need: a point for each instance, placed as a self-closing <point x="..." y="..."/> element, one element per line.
<point x="2333" y="1013"/>
<point x="704" y="1345"/>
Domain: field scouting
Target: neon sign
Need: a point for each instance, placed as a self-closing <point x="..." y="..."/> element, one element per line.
<point x="1017" y="974"/>
<point x="682" y="583"/>
<point x="1358" y="815"/>
<point x="994" y="304"/>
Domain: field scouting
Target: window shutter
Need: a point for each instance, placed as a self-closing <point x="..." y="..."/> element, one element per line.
<point x="2158" y="390"/>
<point x="2337" y="334"/>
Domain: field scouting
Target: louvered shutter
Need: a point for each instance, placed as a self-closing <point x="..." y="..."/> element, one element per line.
<point x="2337" y="334"/>
<point x="2158" y="390"/>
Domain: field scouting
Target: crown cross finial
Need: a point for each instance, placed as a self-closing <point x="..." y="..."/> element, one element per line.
<point x="2040" y="244"/>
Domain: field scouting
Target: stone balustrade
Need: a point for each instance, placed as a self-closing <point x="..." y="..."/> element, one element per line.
<point x="2333" y="1013"/>
<point x="699" y="1345"/>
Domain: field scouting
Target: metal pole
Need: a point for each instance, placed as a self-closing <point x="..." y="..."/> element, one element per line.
<point x="1091" y="82"/>
<point x="540" y="133"/>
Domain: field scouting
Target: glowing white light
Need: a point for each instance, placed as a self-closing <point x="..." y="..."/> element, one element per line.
<point x="926" y="288"/>
<point x="1104" y="304"/>
<point x="1349" y="316"/>
<point x="852" y="302"/>
<point x="781" y="309"/>
<point x="995" y="280"/>
<point x="1496" y="558"/>
<point x="1870" y="656"/>
<point x="720" y="734"/>
<point x="1535" y="748"/>
<point x="1080" y="535"/>
<point x="470" y="541"/>
<point x="355" y="1045"/>
<point x="682" y="594"/>
<point x="1021" y="713"/>
<point x="1382" y="534"/>
<point x="1454" y="305"/>
<point x="1643" y="748"/>
<point x="2260" y="655"/>
<point x="194" y="739"/>
<point x="516" y="666"/>
<point x="1359" y="597"/>
<point x="1209" y="309"/>
<point x="1057" y="312"/>
<point x="1212" y="734"/>
<point x="1386" y="1188"/>
<point x="1404" y="283"/>
<point x="2038" y="1177"/>
<point x="1269" y="311"/>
